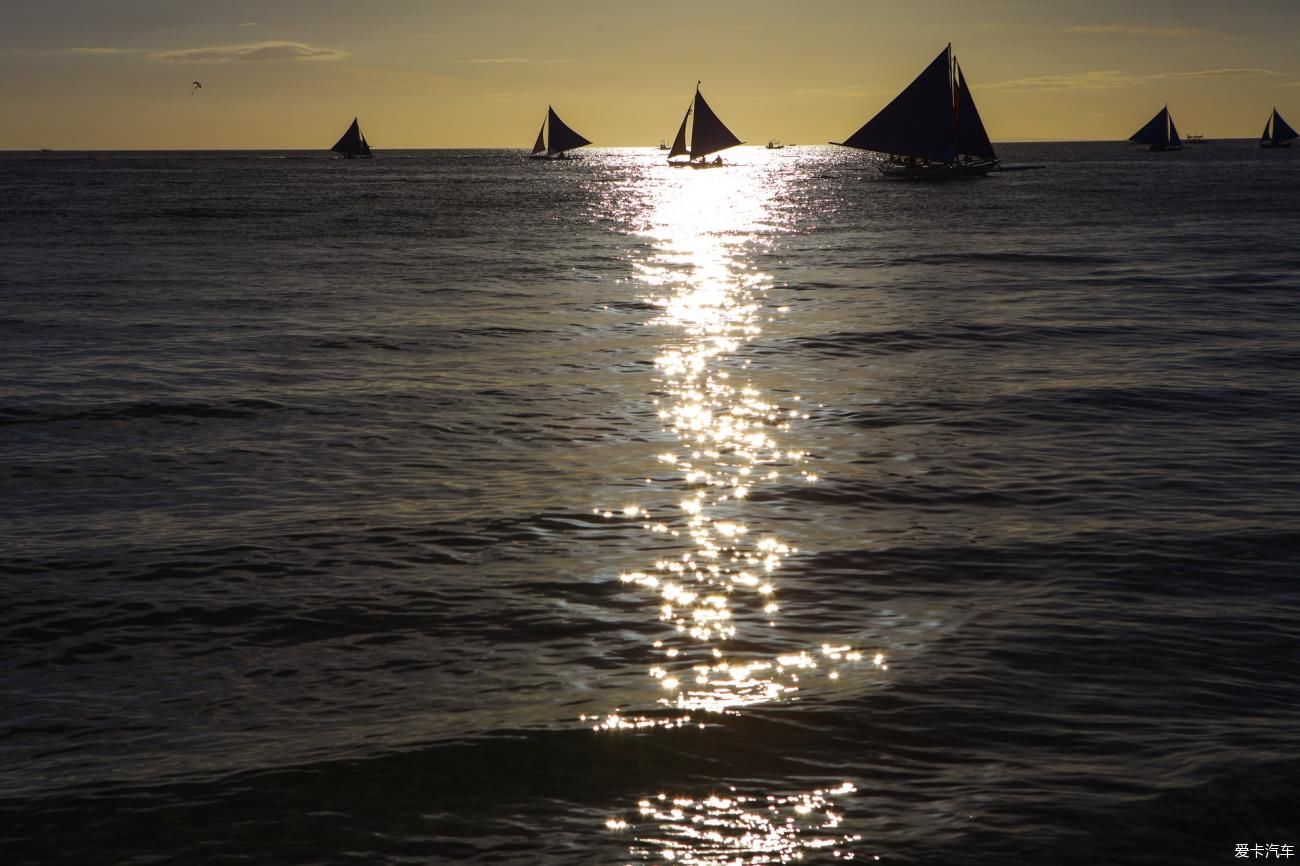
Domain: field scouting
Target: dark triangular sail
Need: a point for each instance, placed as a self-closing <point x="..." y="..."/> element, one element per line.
<point x="352" y="143"/>
<point x="972" y="139"/>
<point x="679" y="143"/>
<point x="1174" y="140"/>
<point x="919" y="122"/>
<point x="710" y="134"/>
<point x="540" y="144"/>
<point x="1156" y="131"/>
<point x="562" y="137"/>
<point x="1265" y="137"/>
<point x="1282" y="131"/>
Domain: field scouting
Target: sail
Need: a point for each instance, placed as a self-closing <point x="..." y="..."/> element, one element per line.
<point x="351" y="143"/>
<point x="1156" y="131"/>
<point x="562" y="137"/>
<point x="709" y="134"/>
<point x="540" y="144"/>
<point x="919" y="121"/>
<point x="1264" y="137"/>
<point x="365" y="146"/>
<point x="679" y="143"/>
<point x="1282" y="131"/>
<point x="1174" y="140"/>
<point x="972" y="139"/>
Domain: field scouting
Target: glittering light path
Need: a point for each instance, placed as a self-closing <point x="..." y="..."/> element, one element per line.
<point x="721" y="590"/>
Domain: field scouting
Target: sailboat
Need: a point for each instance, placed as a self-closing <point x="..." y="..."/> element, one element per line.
<point x="932" y="130"/>
<point x="1159" y="132"/>
<point x="353" y="143"/>
<point x="1277" y="132"/>
<point x="708" y="136"/>
<point x="560" y="140"/>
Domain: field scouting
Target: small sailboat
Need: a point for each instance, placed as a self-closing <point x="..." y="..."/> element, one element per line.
<point x="663" y="145"/>
<point x="1159" y="132"/>
<point x="353" y="143"/>
<point x="559" y="142"/>
<point x="1277" y="132"/>
<point x="932" y="130"/>
<point x="708" y="136"/>
<point x="774" y="144"/>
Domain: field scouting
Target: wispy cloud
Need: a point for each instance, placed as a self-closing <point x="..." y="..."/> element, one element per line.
<point x="1127" y="30"/>
<point x="262" y="51"/>
<point x="1109" y="79"/>
<point x="515" y="60"/>
<point x="1215" y="73"/>
<point x="1106" y="79"/>
<point x="101" y="51"/>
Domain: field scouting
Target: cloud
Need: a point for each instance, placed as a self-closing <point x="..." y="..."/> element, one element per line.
<point x="264" y="51"/>
<point x="1215" y="73"/>
<point x="1126" y="30"/>
<point x="1105" y="79"/>
<point x="514" y="60"/>
<point x="99" y="52"/>
<point x="1110" y="79"/>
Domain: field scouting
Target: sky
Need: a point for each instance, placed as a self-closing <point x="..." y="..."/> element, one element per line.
<point x="117" y="74"/>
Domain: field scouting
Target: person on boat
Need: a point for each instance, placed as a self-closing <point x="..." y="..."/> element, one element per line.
<point x="717" y="160"/>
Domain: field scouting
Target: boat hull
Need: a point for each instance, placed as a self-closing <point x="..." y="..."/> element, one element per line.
<point x="897" y="170"/>
<point x="1274" y="145"/>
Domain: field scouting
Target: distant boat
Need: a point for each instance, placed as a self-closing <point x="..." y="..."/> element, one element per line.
<point x="1277" y="132"/>
<point x="555" y="138"/>
<point x="663" y="145"/>
<point x="353" y="143"/>
<point x="708" y="136"/>
<point x="932" y="130"/>
<point x="1193" y="139"/>
<point x="774" y="144"/>
<point x="1159" y="133"/>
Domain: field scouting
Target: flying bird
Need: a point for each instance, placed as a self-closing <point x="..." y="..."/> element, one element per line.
<point x="195" y="88"/>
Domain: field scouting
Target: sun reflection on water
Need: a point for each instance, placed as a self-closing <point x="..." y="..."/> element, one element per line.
<point x="707" y="230"/>
<point x="716" y="593"/>
<point x="732" y="828"/>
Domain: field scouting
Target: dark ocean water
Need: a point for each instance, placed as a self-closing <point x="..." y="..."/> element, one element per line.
<point x="455" y="508"/>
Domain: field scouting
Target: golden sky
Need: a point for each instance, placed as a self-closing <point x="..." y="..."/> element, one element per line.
<point x="479" y="73"/>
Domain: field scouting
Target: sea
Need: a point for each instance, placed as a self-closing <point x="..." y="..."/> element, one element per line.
<point x="453" y="507"/>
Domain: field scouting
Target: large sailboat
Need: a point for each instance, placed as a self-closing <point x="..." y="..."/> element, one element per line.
<point x="708" y="136"/>
<point x="353" y="143"/>
<point x="1277" y="132"/>
<point x="932" y="130"/>
<point x="555" y="139"/>
<point x="1159" y="132"/>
